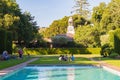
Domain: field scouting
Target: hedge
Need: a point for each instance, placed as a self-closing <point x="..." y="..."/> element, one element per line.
<point x="9" y="42"/>
<point x="5" y="41"/>
<point x="3" y="38"/>
<point x="111" y="38"/>
<point x="117" y="41"/>
<point x="48" y="51"/>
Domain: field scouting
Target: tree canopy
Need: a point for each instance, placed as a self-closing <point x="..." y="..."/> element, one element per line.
<point x="22" y="25"/>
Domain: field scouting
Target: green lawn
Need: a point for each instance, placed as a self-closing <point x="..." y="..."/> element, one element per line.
<point x="54" y="60"/>
<point x="12" y="62"/>
<point x="111" y="61"/>
<point x="46" y="59"/>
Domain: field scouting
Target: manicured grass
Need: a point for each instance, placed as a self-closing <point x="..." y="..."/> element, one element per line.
<point x="111" y="61"/>
<point x="47" y="59"/>
<point x="54" y="60"/>
<point x="11" y="62"/>
<point x="114" y="62"/>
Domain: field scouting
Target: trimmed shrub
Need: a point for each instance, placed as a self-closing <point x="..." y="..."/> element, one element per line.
<point x="47" y="51"/>
<point x="94" y="50"/>
<point x="3" y="38"/>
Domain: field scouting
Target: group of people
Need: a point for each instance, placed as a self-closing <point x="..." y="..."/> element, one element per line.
<point x="63" y="58"/>
<point x="66" y="58"/>
<point x="6" y="56"/>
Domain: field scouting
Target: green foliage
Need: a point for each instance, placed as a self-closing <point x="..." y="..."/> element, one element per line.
<point x="3" y="39"/>
<point x="81" y="7"/>
<point x="47" y="51"/>
<point x="21" y="24"/>
<point x="59" y="40"/>
<point x="106" y="50"/>
<point x="114" y="11"/>
<point x="111" y="37"/>
<point x="104" y="39"/>
<point x="60" y="26"/>
<point x="27" y="27"/>
<point x="8" y="20"/>
<point x="57" y="27"/>
<point x="87" y="36"/>
<point x="117" y="41"/>
<point x="114" y="55"/>
<point x="97" y="13"/>
<point x="9" y="42"/>
<point x="14" y="48"/>
<point x="94" y="50"/>
<point x="79" y="21"/>
<point x="8" y="13"/>
<point x="106" y="17"/>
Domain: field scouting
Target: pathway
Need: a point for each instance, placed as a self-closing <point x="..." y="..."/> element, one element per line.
<point x="11" y="69"/>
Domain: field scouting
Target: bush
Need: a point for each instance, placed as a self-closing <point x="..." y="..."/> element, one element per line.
<point x="114" y="55"/>
<point x="106" y="50"/>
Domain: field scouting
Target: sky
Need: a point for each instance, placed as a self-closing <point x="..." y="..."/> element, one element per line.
<point x="46" y="11"/>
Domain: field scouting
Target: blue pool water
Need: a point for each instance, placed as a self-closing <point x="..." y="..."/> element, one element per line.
<point x="61" y="73"/>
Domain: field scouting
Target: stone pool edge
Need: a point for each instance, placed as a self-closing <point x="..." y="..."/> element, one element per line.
<point x="14" y="68"/>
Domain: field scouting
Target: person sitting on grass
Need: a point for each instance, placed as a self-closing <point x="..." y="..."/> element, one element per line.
<point x="63" y="58"/>
<point x="60" y="58"/>
<point x="5" y="55"/>
<point x="72" y="58"/>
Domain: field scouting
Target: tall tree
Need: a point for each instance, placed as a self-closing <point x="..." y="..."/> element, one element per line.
<point x="97" y="14"/>
<point x="81" y="8"/>
<point x="60" y="26"/>
<point x="88" y="36"/>
<point x="113" y="11"/>
<point x="27" y="28"/>
<point x="8" y="11"/>
<point x="57" y="27"/>
<point x="12" y="19"/>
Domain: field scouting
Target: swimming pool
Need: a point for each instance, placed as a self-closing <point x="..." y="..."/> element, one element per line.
<point x="61" y="73"/>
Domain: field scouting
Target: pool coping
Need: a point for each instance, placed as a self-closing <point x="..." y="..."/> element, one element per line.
<point x="13" y="68"/>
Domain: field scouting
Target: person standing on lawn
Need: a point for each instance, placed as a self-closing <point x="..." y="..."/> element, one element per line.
<point x="20" y="52"/>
